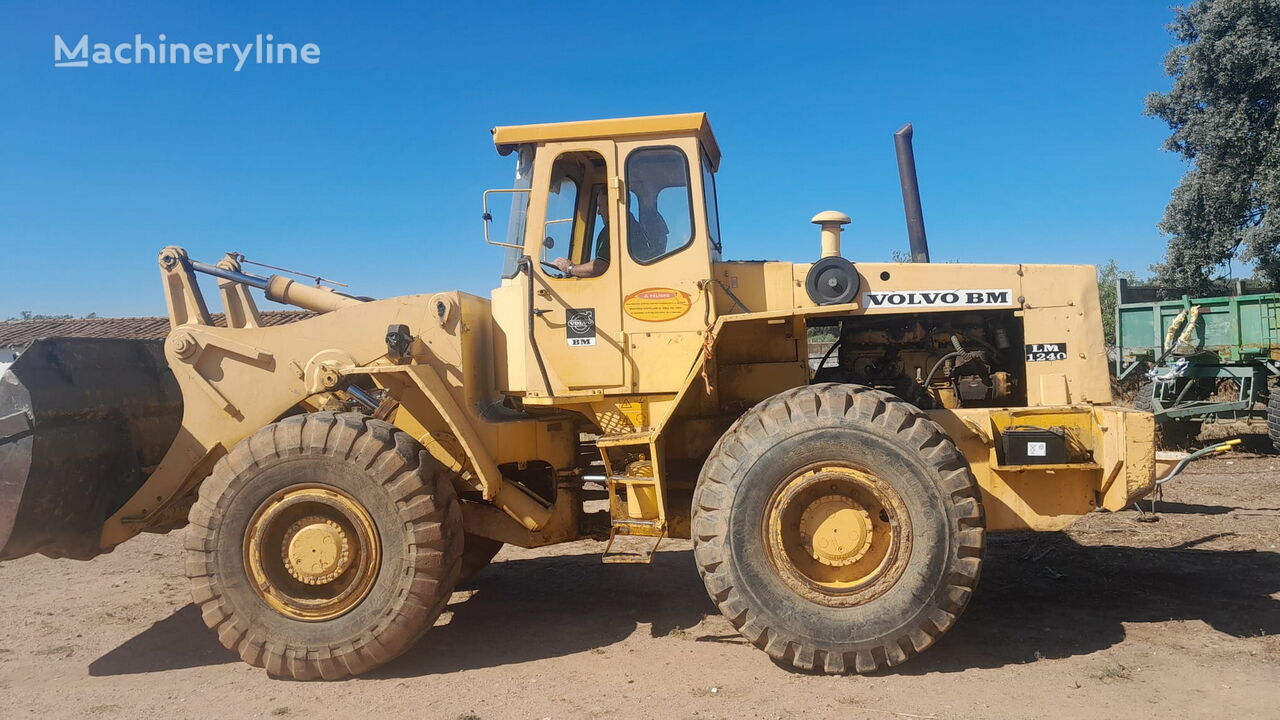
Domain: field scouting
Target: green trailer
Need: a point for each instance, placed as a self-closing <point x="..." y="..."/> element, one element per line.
<point x="1199" y="360"/>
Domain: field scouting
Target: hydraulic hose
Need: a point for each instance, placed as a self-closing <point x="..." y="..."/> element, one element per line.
<point x="1182" y="465"/>
<point x="934" y="371"/>
<point x="827" y="354"/>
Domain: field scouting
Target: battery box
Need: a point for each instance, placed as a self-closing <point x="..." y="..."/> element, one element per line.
<point x="1026" y="445"/>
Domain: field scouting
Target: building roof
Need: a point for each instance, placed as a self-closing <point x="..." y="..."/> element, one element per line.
<point x="651" y="125"/>
<point x="20" y="333"/>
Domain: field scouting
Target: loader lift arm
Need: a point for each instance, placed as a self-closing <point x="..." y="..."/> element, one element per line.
<point x="222" y="384"/>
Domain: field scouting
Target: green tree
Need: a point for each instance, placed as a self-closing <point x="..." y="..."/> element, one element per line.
<point x="1224" y="111"/>
<point x="27" y="315"/>
<point x="1107" y="276"/>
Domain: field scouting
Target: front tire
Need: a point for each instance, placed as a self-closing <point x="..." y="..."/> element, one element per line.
<point x="324" y="545"/>
<point x="838" y="528"/>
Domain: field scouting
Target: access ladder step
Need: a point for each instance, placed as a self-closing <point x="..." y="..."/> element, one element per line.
<point x="625" y="546"/>
<point x="642" y="437"/>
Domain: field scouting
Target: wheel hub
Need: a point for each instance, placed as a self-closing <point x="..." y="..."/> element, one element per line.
<point x="312" y="552"/>
<point x="316" y="550"/>
<point x="836" y="531"/>
<point x="837" y="535"/>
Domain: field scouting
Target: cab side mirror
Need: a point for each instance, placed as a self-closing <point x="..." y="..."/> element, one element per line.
<point x="488" y="217"/>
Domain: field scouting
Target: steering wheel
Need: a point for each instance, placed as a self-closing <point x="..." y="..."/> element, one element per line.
<point x="560" y="274"/>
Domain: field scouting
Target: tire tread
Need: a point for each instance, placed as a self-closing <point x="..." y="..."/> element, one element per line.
<point x="426" y="501"/>
<point x="759" y="429"/>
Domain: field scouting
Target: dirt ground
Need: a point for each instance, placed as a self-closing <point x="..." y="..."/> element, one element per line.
<point x="1114" y="619"/>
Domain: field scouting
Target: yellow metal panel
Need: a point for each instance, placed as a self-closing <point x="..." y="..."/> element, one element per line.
<point x="510" y="344"/>
<point x="759" y="341"/>
<point x="1033" y="497"/>
<point x="1062" y="307"/>
<point x="488" y="521"/>
<point x="686" y="123"/>
<point x="758" y="285"/>
<point x="1053" y="388"/>
<point x="634" y="411"/>
<point x="459" y="424"/>
<point x="1139" y="452"/>
<point x="757" y="381"/>
<point x="1130" y="454"/>
<point x="660" y="361"/>
<point x="877" y="278"/>
<point x="1043" y="500"/>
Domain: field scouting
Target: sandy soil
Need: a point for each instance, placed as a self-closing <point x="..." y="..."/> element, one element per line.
<point x="1114" y="619"/>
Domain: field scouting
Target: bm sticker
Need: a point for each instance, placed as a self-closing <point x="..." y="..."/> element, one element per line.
<point x="580" y="327"/>
<point x="1046" y="352"/>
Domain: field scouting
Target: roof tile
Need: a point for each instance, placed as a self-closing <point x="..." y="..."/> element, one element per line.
<point x="20" y="333"/>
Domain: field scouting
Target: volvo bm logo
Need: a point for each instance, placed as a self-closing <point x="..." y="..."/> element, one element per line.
<point x="580" y="327"/>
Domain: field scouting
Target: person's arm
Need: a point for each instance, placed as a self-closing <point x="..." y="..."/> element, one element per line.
<point x="590" y="268"/>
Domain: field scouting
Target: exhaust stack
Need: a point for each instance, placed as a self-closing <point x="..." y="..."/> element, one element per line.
<point x="911" y="194"/>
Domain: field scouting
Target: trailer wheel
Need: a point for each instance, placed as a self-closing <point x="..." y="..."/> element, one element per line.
<point x="838" y="528"/>
<point x="1170" y="433"/>
<point x="1273" y="416"/>
<point x="477" y="553"/>
<point x="324" y="545"/>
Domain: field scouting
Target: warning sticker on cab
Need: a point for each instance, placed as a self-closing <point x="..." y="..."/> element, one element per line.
<point x="657" y="304"/>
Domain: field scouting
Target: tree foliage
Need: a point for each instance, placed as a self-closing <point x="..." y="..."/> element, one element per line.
<point x="27" y="315"/>
<point x="1225" y="121"/>
<point x="1107" y="276"/>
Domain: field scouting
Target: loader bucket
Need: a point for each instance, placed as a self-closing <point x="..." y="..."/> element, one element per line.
<point x="83" y="421"/>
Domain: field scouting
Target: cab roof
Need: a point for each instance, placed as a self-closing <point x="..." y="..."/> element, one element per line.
<point x="647" y="126"/>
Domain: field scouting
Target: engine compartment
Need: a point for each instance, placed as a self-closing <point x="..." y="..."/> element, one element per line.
<point x="932" y="360"/>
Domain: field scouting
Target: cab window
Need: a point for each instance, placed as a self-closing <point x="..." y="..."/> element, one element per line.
<point x="572" y="227"/>
<point x="713" y="207"/>
<point x="562" y="204"/>
<point x="660" y="206"/>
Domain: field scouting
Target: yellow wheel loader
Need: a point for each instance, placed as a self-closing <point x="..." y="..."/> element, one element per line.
<point x="337" y="476"/>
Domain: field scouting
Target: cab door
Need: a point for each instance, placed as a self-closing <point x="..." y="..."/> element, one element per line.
<point x="667" y="250"/>
<point x="577" y="324"/>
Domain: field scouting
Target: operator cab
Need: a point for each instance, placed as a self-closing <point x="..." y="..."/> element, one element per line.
<point x="612" y="230"/>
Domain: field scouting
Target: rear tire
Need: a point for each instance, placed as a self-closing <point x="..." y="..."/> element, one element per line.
<point x="786" y="473"/>
<point x="368" y="501"/>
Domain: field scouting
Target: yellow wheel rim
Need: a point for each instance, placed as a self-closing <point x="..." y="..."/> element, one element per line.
<point x="312" y="552"/>
<point x="837" y="535"/>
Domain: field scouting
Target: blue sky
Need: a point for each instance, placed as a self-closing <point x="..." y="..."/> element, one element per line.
<point x="368" y="167"/>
